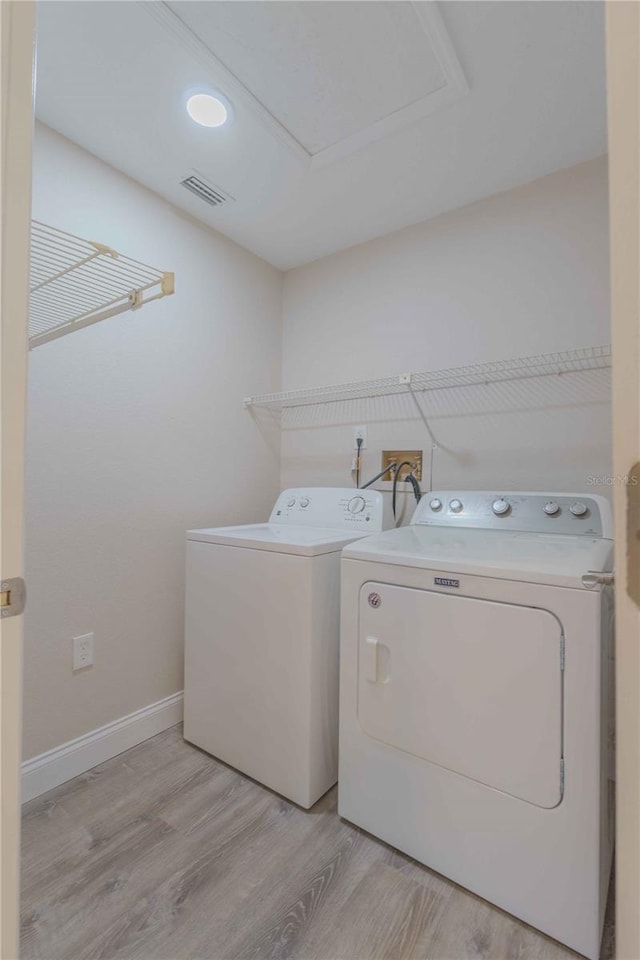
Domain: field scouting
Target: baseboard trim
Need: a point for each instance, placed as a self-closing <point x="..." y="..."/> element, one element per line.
<point x="56" y="766"/>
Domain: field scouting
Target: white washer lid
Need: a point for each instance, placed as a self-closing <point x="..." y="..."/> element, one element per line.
<point x="280" y="538"/>
<point x="528" y="557"/>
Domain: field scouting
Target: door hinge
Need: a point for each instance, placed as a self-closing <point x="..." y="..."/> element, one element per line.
<point x="633" y="534"/>
<point x="561" y="776"/>
<point x="13" y="596"/>
<point x="562" y="653"/>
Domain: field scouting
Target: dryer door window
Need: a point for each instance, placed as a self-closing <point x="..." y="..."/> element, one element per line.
<point x="471" y="685"/>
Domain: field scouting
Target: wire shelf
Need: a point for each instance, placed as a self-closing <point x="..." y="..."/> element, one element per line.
<point x="76" y="282"/>
<point x="495" y="371"/>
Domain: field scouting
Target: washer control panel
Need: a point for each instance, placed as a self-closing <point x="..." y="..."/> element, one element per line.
<point x="565" y="513"/>
<point x="337" y="508"/>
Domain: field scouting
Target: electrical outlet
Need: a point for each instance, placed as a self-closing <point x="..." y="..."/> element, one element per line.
<point x="414" y="457"/>
<point x="360" y="433"/>
<point x="83" y="651"/>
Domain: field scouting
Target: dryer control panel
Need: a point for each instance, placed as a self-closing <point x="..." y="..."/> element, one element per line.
<point x="565" y="513"/>
<point x="337" y="508"/>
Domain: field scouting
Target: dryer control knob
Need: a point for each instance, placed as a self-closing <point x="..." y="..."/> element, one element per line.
<point x="455" y="506"/>
<point x="435" y="504"/>
<point x="357" y="504"/>
<point x="304" y="502"/>
<point x="578" y="509"/>
<point x="500" y="507"/>
<point x="291" y="502"/>
<point x="551" y="508"/>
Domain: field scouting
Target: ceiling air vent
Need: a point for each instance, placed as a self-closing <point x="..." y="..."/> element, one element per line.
<point x="206" y="191"/>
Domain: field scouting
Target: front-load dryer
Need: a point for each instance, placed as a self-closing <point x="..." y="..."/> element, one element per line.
<point x="262" y="638"/>
<point x="473" y="699"/>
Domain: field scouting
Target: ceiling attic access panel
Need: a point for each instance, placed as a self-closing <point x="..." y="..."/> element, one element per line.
<point x="327" y="76"/>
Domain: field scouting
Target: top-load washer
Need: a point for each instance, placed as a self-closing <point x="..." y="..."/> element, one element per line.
<point x="262" y="638"/>
<point x="473" y="699"/>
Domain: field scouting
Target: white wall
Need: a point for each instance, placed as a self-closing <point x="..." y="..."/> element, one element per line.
<point x="521" y="273"/>
<point x="136" y="432"/>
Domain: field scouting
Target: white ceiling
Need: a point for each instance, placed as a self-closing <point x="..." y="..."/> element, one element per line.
<point x="326" y="77"/>
<point x="351" y="118"/>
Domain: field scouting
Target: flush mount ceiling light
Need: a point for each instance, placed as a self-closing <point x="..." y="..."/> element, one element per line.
<point x="207" y="110"/>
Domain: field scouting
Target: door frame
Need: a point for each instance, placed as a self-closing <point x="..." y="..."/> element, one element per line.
<point x="17" y="29"/>
<point x="17" y="37"/>
<point x="623" y="102"/>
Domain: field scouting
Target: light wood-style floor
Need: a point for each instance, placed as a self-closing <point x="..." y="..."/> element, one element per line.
<point x="165" y="854"/>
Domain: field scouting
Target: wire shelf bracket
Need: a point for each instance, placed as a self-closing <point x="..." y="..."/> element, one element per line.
<point x="75" y="283"/>
<point x="495" y="371"/>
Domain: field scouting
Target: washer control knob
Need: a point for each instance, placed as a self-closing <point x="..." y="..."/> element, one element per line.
<point x="578" y="509"/>
<point x="500" y="507"/>
<point x="304" y="501"/>
<point x="291" y="502"/>
<point x="435" y="504"/>
<point x="357" y="504"/>
<point x="455" y="506"/>
<point x="551" y="508"/>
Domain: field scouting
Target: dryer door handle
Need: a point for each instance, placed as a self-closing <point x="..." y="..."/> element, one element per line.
<point x="376" y="657"/>
<point x="370" y="660"/>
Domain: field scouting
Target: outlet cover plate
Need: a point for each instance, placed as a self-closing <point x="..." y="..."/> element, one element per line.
<point x="83" y="651"/>
<point x="360" y="432"/>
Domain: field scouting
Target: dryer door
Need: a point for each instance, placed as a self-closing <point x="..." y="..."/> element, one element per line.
<point x="471" y="685"/>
